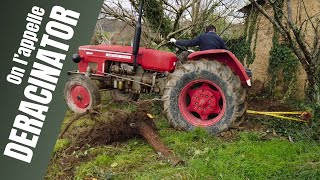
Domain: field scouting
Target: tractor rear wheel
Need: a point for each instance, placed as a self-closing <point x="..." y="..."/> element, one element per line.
<point x="122" y="96"/>
<point x="81" y="93"/>
<point x="204" y="94"/>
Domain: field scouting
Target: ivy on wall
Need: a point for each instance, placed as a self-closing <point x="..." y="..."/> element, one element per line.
<point x="238" y="47"/>
<point x="283" y="64"/>
<point x="253" y="28"/>
<point x="241" y="46"/>
<point x="282" y="71"/>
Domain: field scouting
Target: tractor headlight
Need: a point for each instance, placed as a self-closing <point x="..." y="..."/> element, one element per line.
<point x="76" y="58"/>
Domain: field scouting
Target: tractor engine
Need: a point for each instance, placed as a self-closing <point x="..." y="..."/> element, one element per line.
<point x="125" y="77"/>
<point x="122" y="68"/>
<point x="114" y="68"/>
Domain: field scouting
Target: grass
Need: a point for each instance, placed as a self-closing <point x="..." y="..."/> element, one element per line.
<point x="61" y="144"/>
<point x="93" y="167"/>
<point x="246" y="155"/>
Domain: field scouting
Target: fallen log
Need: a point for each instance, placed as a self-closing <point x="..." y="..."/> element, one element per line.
<point x="154" y="140"/>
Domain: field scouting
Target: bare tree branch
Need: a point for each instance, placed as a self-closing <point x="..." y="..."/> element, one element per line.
<point x="308" y="16"/>
<point x="302" y="43"/>
<point x="264" y="12"/>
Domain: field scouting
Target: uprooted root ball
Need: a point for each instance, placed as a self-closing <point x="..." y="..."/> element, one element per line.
<point x="115" y="125"/>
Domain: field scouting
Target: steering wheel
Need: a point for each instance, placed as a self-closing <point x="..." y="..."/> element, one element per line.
<point x="182" y="48"/>
<point x="182" y="52"/>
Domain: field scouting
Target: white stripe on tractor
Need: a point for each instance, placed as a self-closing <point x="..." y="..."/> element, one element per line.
<point x="118" y="56"/>
<point x="113" y="52"/>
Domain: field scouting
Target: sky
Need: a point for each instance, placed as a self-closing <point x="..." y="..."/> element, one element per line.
<point x="232" y="5"/>
<point x="239" y="3"/>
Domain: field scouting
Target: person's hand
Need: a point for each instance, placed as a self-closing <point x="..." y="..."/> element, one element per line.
<point x="173" y="40"/>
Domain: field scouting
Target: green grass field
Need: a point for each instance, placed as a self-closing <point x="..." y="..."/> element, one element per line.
<point x="245" y="154"/>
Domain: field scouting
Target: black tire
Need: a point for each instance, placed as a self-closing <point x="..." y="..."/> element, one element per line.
<point x="205" y="72"/>
<point x="120" y="96"/>
<point x="81" y="93"/>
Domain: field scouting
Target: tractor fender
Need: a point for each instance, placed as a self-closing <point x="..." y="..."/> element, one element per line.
<point x="226" y="57"/>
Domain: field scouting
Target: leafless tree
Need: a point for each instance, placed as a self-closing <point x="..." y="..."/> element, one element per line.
<point x="185" y="17"/>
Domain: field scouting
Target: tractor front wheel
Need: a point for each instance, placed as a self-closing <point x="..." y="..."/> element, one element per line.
<point x="81" y="93"/>
<point x="204" y="94"/>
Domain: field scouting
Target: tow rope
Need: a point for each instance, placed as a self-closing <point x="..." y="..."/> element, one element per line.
<point x="303" y="115"/>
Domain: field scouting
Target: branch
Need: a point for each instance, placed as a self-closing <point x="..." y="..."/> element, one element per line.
<point x="277" y="22"/>
<point x="169" y="5"/>
<point x="316" y="49"/>
<point x="179" y="30"/>
<point x="308" y="19"/>
<point x="134" y="5"/>
<point x="264" y="12"/>
<point x="165" y="41"/>
<point x="301" y="42"/>
<point x="76" y="117"/>
<point x="308" y="16"/>
<point x="176" y="21"/>
<point x="227" y="27"/>
<point x="316" y="44"/>
<point x="123" y="17"/>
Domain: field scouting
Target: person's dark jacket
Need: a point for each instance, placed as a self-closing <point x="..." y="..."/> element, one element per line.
<point x="205" y="41"/>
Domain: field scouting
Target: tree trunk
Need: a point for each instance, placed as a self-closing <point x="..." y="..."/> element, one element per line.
<point x="313" y="90"/>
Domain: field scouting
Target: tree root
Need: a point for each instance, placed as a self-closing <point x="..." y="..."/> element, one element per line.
<point x="119" y="125"/>
<point x="77" y="117"/>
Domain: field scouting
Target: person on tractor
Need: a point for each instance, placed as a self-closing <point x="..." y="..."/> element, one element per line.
<point x="206" y="41"/>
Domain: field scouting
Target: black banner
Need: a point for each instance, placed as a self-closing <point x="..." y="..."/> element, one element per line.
<point x="38" y="40"/>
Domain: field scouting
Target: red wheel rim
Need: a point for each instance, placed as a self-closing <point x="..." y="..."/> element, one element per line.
<point x="80" y="96"/>
<point x="202" y="103"/>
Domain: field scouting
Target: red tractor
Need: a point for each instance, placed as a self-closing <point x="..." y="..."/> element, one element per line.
<point x="208" y="90"/>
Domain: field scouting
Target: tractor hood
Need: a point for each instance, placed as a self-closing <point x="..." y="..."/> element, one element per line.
<point x="149" y="59"/>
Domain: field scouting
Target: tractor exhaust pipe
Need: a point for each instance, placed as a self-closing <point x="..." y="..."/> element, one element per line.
<point x="137" y="35"/>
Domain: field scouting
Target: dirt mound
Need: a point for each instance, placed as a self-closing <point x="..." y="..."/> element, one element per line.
<point x="115" y="125"/>
<point x="259" y="104"/>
